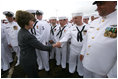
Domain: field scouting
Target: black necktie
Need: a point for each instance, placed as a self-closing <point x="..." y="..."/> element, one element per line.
<point x="52" y="28"/>
<point x="79" y="34"/>
<point x="60" y="32"/>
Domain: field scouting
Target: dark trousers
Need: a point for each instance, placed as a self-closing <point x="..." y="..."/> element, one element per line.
<point x="31" y="70"/>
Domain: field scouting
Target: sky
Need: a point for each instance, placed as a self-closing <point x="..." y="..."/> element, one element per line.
<point x="49" y="7"/>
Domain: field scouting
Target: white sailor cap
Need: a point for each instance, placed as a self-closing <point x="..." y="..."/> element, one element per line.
<point x="53" y="18"/>
<point x="85" y="17"/>
<point x="62" y="18"/>
<point x="77" y="14"/>
<point x="39" y="12"/>
<point x="31" y="11"/>
<point x="8" y="13"/>
<point x="95" y="15"/>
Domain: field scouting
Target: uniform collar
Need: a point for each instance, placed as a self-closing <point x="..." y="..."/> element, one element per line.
<point x="11" y="22"/>
<point x="80" y="26"/>
<point x="110" y="15"/>
<point x="63" y="26"/>
<point x="52" y="25"/>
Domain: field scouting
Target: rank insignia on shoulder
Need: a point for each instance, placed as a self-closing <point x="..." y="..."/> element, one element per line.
<point x="37" y="27"/>
<point x="15" y="27"/>
<point x="64" y="30"/>
<point x="54" y="29"/>
<point x="110" y="32"/>
<point x="85" y="31"/>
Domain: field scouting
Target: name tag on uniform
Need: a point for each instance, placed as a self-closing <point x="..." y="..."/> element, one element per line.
<point x="114" y="25"/>
<point x="91" y="27"/>
<point x="37" y="27"/>
<point x="111" y="31"/>
<point x="15" y="27"/>
<point x="7" y="27"/>
<point x="54" y="30"/>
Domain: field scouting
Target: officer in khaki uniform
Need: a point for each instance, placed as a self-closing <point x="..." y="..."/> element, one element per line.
<point x="100" y="51"/>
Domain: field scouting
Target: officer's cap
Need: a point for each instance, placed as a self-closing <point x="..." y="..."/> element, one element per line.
<point x="39" y="12"/>
<point x="100" y="2"/>
<point x="8" y="13"/>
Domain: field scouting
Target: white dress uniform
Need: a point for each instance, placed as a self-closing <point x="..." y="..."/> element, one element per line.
<point x="75" y="48"/>
<point x="52" y="32"/>
<point x="61" y="53"/>
<point x="113" y="72"/>
<point x="5" y="43"/>
<point x="4" y="53"/>
<point x="43" y="34"/>
<point x="68" y="43"/>
<point x="12" y="29"/>
<point x="100" y="53"/>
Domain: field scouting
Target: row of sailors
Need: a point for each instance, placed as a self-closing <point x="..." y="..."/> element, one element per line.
<point x="47" y="33"/>
<point x="73" y="39"/>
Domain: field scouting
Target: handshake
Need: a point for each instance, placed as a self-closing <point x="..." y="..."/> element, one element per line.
<point x="57" y="44"/>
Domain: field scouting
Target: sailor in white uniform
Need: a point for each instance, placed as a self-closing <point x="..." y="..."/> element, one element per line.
<point x="12" y="29"/>
<point x="4" y="50"/>
<point x="61" y="53"/>
<point x="54" y="26"/>
<point x="43" y="35"/>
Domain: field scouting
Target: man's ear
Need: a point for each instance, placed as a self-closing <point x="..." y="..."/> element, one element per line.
<point x="115" y="2"/>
